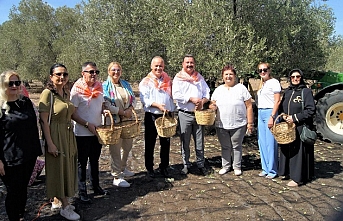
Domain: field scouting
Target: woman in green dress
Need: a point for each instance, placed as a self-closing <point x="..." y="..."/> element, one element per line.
<point x="61" y="151"/>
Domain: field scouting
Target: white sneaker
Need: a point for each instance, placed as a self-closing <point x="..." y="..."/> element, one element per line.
<point x="120" y="182"/>
<point x="69" y="213"/>
<point x="238" y="172"/>
<point x="56" y="206"/>
<point x="184" y="170"/>
<point x="223" y="171"/>
<point x="128" y="173"/>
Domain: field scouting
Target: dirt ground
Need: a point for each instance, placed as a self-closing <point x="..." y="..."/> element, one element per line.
<point x="213" y="197"/>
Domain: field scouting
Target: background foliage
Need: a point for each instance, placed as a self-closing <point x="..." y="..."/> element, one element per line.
<point x="285" y="33"/>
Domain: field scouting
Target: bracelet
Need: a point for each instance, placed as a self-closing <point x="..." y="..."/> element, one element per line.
<point x="273" y="116"/>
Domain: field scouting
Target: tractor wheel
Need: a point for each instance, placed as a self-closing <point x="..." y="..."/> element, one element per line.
<point x="329" y="116"/>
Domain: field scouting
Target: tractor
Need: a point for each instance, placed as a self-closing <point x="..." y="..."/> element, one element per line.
<point x="328" y="95"/>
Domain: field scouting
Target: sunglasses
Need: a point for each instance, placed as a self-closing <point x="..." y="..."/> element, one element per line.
<point x="93" y="72"/>
<point x="263" y="70"/>
<point x="296" y="76"/>
<point x="118" y="70"/>
<point x="65" y="74"/>
<point x="16" y="83"/>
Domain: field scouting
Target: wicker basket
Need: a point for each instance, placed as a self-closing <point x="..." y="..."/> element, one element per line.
<point x="130" y="128"/>
<point x="283" y="132"/>
<point x="166" y="126"/>
<point x="109" y="134"/>
<point x="205" y="117"/>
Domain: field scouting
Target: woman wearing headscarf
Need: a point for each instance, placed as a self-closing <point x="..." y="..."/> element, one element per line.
<point x="297" y="158"/>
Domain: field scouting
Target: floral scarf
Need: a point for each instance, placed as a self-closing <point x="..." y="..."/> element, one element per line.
<point x="152" y="81"/>
<point x="109" y="90"/>
<point x="183" y="76"/>
<point x="80" y="86"/>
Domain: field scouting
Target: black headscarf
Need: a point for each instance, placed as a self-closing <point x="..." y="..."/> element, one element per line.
<point x="302" y="83"/>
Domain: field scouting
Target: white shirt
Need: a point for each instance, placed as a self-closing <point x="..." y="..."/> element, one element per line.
<point x="265" y="95"/>
<point x="149" y="95"/>
<point x="89" y="110"/>
<point x="231" y="112"/>
<point x="183" y="90"/>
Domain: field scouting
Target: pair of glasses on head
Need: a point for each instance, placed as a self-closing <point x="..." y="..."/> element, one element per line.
<point x="12" y="83"/>
<point x="65" y="74"/>
<point x="115" y="70"/>
<point x="295" y="76"/>
<point x="93" y="72"/>
<point x="263" y="70"/>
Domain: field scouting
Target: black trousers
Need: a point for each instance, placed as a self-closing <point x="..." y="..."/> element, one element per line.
<point x="150" y="136"/>
<point x="16" y="180"/>
<point x="88" y="147"/>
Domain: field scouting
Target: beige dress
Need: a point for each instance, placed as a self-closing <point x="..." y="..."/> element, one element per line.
<point x="61" y="172"/>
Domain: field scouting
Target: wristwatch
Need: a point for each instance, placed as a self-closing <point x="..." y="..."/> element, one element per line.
<point x="86" y="125"/>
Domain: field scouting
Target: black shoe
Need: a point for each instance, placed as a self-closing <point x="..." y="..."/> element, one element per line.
<point x="204" y="171"/>
<point x="99" y="191"/>
<point x="84" y="197"/>
<point x="165" y="173"/>
<point x="151" y="173"/>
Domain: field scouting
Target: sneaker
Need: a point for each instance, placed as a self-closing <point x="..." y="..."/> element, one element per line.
<point x="128" y="173"/>
<point x="151" y="173"/>
<point x="56" y="206"/>
<point x="184" y="171"/>
<point x="223" y="171"/>
<point x="262" y="174"/>
<point x="84" y="197"/>
<point x="237" y="172"/>
<point x="69" y="214"/>
<point x="120" y="182"/>
<point x="204" y="171"/>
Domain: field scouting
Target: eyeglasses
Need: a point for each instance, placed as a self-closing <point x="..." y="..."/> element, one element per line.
<point x="296" y="76"/>
<point x="263" y="70"/>
<point x="93" y="72"/>
<point x="16" y="83"/>
<point x="118" y="70"/>
<point x="65" y="74"/>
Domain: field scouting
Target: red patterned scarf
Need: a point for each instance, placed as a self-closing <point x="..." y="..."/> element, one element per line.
<point x="152" y="81"/>
<point x="80" y="86"/>
<point x="184" y="76"/>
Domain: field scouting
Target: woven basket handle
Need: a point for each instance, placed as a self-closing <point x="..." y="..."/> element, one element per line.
<point x="163" y="117"/>
<point x="277" y="119"/>
<point x="111" y="118"/>
<point x="134" y="113"/>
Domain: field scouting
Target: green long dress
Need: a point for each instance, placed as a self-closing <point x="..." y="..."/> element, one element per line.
<point x="61" y="171"/>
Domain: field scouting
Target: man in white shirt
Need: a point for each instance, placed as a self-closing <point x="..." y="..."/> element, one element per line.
<point x="155" y="94"/>
<point x="190" y="92"/>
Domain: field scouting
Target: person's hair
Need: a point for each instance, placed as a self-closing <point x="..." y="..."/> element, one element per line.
<point x="188" y="56"/>
<point x="229" y="67"/>
<point x="156" y="57"/>
<point x="90" y="63"/>
<point x="112" y="64"/>
<point x="270" y="73"/>
<point x="4" y="79"/>
<point x="50" y="85"/>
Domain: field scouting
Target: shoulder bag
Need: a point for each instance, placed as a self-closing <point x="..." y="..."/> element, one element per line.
<point x="307" y="136"/>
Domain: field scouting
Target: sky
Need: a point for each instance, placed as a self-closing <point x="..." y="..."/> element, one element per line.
<point x="6" y="5"/>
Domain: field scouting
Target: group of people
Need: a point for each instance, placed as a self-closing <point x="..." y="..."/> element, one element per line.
<point x="295" y="162"/>
<point x="69" y="119"/>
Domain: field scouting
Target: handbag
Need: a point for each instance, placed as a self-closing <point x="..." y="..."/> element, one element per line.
<point x="307" y="136"/>
<point x="42" y="139"/>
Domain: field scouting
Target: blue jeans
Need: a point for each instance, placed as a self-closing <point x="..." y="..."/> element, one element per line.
<point x="267" y="144"/>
